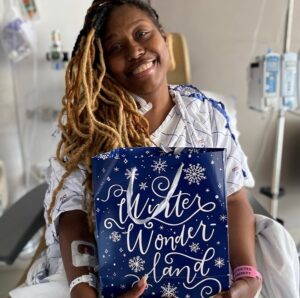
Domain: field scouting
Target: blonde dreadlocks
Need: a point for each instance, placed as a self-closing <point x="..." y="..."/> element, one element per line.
<point x="98" y="115"/>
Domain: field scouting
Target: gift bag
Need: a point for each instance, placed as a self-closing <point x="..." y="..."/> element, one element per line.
<point x="162" y="213"/>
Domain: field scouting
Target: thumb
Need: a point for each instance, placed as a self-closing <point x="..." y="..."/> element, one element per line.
<point x="137" y="290"/>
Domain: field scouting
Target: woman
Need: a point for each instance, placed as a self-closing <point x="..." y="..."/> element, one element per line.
<point x="117" y="95"/>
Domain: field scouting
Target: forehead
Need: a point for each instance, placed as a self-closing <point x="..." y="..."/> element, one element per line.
<point x="125" y="17"/>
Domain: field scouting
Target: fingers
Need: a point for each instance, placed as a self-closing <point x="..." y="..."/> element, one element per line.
<point x="242" y="288"/>
<point x="137" y="290"/>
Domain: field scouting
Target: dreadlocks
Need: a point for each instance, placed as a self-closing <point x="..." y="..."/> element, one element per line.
<point x="98" y="115"/>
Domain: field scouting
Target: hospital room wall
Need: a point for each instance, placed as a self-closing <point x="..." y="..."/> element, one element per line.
<point x="43" y="96"/>
<point x="223" y="38"/>
<point x="222" y="42"/>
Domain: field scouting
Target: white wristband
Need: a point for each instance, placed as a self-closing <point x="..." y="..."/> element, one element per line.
<point x="89" y="278"/>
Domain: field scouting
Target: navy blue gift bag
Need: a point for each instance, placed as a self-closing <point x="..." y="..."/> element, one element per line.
<point x="162" y="213"/>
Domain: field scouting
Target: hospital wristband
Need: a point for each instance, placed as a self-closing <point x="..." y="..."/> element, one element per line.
<point x="88" y="278"/>
<point x="245" y="271"/>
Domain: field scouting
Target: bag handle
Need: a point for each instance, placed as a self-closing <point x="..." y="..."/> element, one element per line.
<point x="161" y="206"/>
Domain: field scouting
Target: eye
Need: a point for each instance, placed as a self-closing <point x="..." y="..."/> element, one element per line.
<point x="114" y="48"/>
<point x="142" y="34"/>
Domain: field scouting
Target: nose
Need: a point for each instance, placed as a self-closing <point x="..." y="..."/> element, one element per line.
<point x="134" y="50"/>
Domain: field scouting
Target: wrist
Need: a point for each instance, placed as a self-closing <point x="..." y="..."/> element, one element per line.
<point x="86" y="283"/>
<point x="83" y="290"/>
<point x="245" y="271"/>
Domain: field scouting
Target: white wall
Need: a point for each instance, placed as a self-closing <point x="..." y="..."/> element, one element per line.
<point x="17" y="86"/>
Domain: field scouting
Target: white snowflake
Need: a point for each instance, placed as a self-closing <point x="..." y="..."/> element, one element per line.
<point x="115" y="236"/>
<point x="104" y="155"/>
<point x="159" y="166"/>
<point x="143" y="185"/>
<point x="194" y="247"/>
<point x="169" y="291"/>
<point x="223" y="217"/>
<point x="136" y="264"/>
<point x="187" y="296"/>
<point x="194" y="174"/>
<point x="131" y="173"/>
<point x="122" y="286"/>
<point x="116" y="169"/>
<point x="219" y="262"/>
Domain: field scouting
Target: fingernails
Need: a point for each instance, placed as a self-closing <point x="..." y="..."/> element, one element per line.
<point x="145" y="277"/>
<point x="142" y="281"/>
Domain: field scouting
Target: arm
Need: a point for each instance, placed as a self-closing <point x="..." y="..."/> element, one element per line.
<point x="73" y="225"/>
<point x="241" y="225"/>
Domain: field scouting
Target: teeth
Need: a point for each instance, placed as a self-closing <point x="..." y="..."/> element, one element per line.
<point x="143" y="67"/>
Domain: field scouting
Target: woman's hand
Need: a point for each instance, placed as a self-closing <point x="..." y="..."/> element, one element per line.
<point x="137" y="290"/>
<point x="242" y="288"/>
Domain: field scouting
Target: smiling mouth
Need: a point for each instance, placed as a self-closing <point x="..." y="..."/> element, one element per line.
<point x="143" y="68"/>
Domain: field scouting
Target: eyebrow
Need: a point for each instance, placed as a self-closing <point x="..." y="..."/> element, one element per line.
<point x="110" y="36"/>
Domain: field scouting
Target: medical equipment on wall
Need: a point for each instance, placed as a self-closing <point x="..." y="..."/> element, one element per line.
<point x="31" y="9"/>
<point x="16" y="34"/>
<point x="57" y="56"/>
<point x="275" y="83"/>
<point x="264" y="82"/>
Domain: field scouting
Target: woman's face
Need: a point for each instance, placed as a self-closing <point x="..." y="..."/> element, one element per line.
<point x="135" y="51"/>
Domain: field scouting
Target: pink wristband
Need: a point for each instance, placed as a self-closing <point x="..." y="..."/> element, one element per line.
<point x="245" y="271"/>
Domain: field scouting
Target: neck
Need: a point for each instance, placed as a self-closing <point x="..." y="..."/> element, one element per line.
<point x="160" y="99"/>
<point x="162" y="103"/>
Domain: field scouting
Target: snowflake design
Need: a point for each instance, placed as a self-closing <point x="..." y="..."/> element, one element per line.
<point x="123" y="287"/>
<point x="130" y="173"/>
<point x="159" y="166"/>
<point x="104" y="155"/>
<point x="115" y="236"/>
<point x="143" y="185"/>
<point x="219" y="262"/>
<point x="194" y="247"/>
<point x="194" y="174"/>
<point x="116" y="169"/>
<point x="223" y="217"/>
<point x="187" y="296"/>
<point x="136" y="264"/>
<point x="169" y="291"/>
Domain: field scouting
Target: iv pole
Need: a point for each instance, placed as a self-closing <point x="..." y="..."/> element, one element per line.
<point x="275" y="187"/>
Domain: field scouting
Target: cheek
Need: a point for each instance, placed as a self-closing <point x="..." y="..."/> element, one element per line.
<point x="115" y="66"/>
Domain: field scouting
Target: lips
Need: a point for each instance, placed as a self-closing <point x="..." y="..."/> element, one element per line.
<point x="142" y="68"/>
